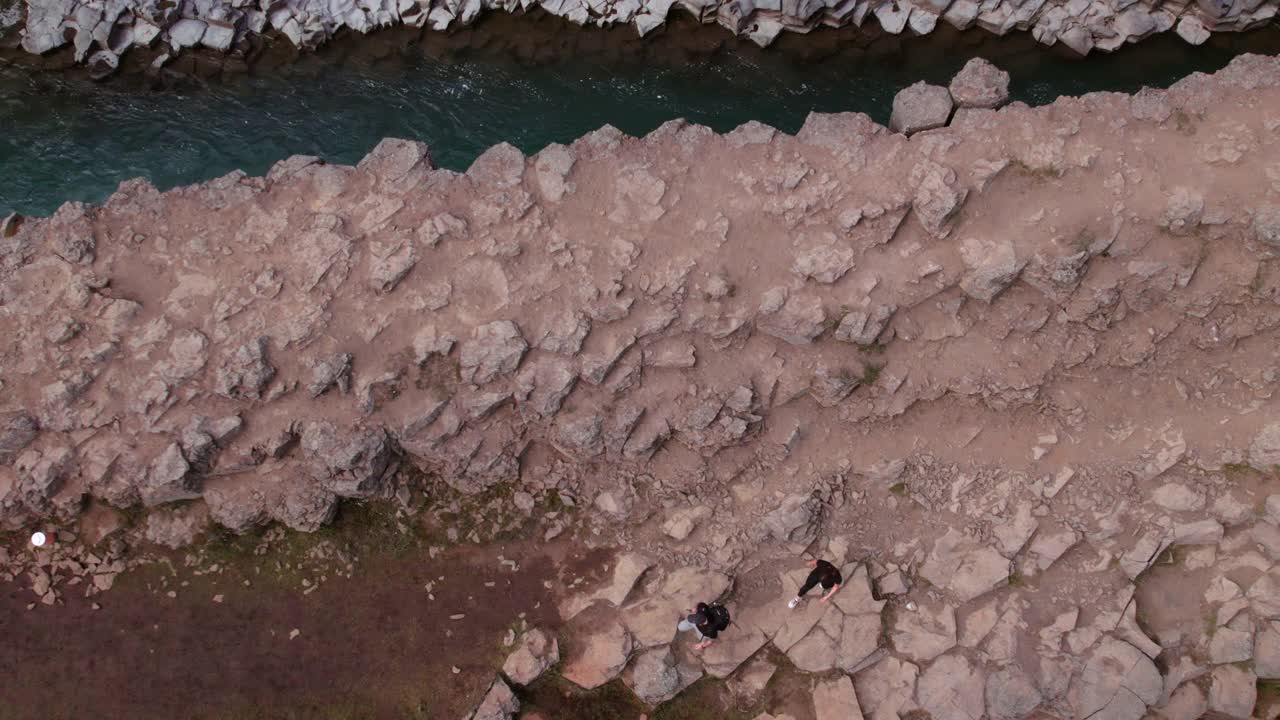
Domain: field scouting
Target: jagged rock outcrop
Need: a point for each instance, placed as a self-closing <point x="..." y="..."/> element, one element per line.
<point x="98" y="35"/>
<point x="932" y="360"/>
<point x="257" y="368"/>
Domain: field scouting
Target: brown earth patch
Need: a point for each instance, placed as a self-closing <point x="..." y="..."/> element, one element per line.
<point x="375" y="645"/>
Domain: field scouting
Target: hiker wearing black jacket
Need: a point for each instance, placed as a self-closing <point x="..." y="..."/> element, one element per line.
<point x="708" y="621"/>
<point x="824" y="574"/>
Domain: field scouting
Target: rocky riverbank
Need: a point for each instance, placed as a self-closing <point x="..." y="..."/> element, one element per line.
<point x="1015" y="370"/>
<point x="101" y="34"/>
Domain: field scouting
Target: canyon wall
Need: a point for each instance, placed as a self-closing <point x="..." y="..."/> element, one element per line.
<point x="101" y="32"/>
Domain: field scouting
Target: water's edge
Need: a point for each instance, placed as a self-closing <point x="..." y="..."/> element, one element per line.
<point x="467" y="95"/>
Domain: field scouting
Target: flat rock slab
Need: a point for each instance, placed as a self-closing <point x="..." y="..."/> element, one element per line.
<point x="799" y="622"/>
<point x="920" y="107"/>
<point x="952" y="689"/>
<point x="855" y="596"/>
<point x="836" y="700"/>
<point x="652" y="620"/>
<point x="926" y="633"/>
<point x="734" y="647"/>
<point x="749" y="682"/>
<point x="1118" y="680"/>
<point x="1011" y="695"/>
<point x="887" y="689"/>
<point x="965" y="567"/>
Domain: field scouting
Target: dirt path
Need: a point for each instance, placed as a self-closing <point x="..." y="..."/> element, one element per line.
<point x="373" y="646"/>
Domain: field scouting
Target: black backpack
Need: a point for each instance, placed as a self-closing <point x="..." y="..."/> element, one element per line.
<point x="718" y="615"/>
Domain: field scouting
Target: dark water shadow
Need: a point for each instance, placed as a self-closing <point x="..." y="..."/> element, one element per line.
<point x="529" y="80"/>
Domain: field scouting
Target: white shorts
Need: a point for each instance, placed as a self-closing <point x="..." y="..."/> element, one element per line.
<point x="686" y="626"/>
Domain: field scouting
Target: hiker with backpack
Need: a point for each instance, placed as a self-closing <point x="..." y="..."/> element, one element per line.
<point x="708" y="621"/>
<point x="824" y="574"/>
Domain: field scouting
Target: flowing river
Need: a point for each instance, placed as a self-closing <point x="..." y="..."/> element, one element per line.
<point x="63" y="138"/>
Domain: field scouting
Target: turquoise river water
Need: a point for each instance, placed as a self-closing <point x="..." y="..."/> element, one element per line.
<point x="68" y="139"/>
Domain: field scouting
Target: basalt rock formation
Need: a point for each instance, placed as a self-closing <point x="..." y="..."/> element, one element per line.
<point x="101" y="32"/>
<point x="282" y="340"/>
<point x="1030" y="345"/>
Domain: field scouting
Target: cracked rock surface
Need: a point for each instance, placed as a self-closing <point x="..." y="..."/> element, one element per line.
<point x="1055" y="411"/>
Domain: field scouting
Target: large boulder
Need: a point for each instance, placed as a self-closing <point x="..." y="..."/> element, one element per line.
<point x="551" y="167"/>
<point x="502" y="165"/>
<point x="169" y="478"/>
<point x="979" y="84"/>
<point x="855" y="596"/>
<point x="1191" y="29"/>
<point x="246" y="372"/>
<point x="864" y="327"/>
<point x="656" y="677"/>
<point x="817" y="648"/>
<point x="494" y="350"/>
<point x="920" y="107"/>
<point x="304" y="506"/>
<point x="938" y="196"/>
<point x="397" y="164"/>
<point x="1178" y="497"/>
<point x="238" y="507"/>
<point x="176" y="527"/>
<point x="991" y="265"/>
<point x="794" y="520"/>
<point x="535" y="653"/>
<point x="599" y="657"/>
<point x="796" y="319"/>
<point x="17" y="430"/>
<point x="824" y="262"/>
<point x="71" y="234"/>
<point x="689" y="585"/>
<point x="354" y="462"/>
<point x="333" y="371"/>
<point x="1231" y="645"/>
<point x="40" y="476"/>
